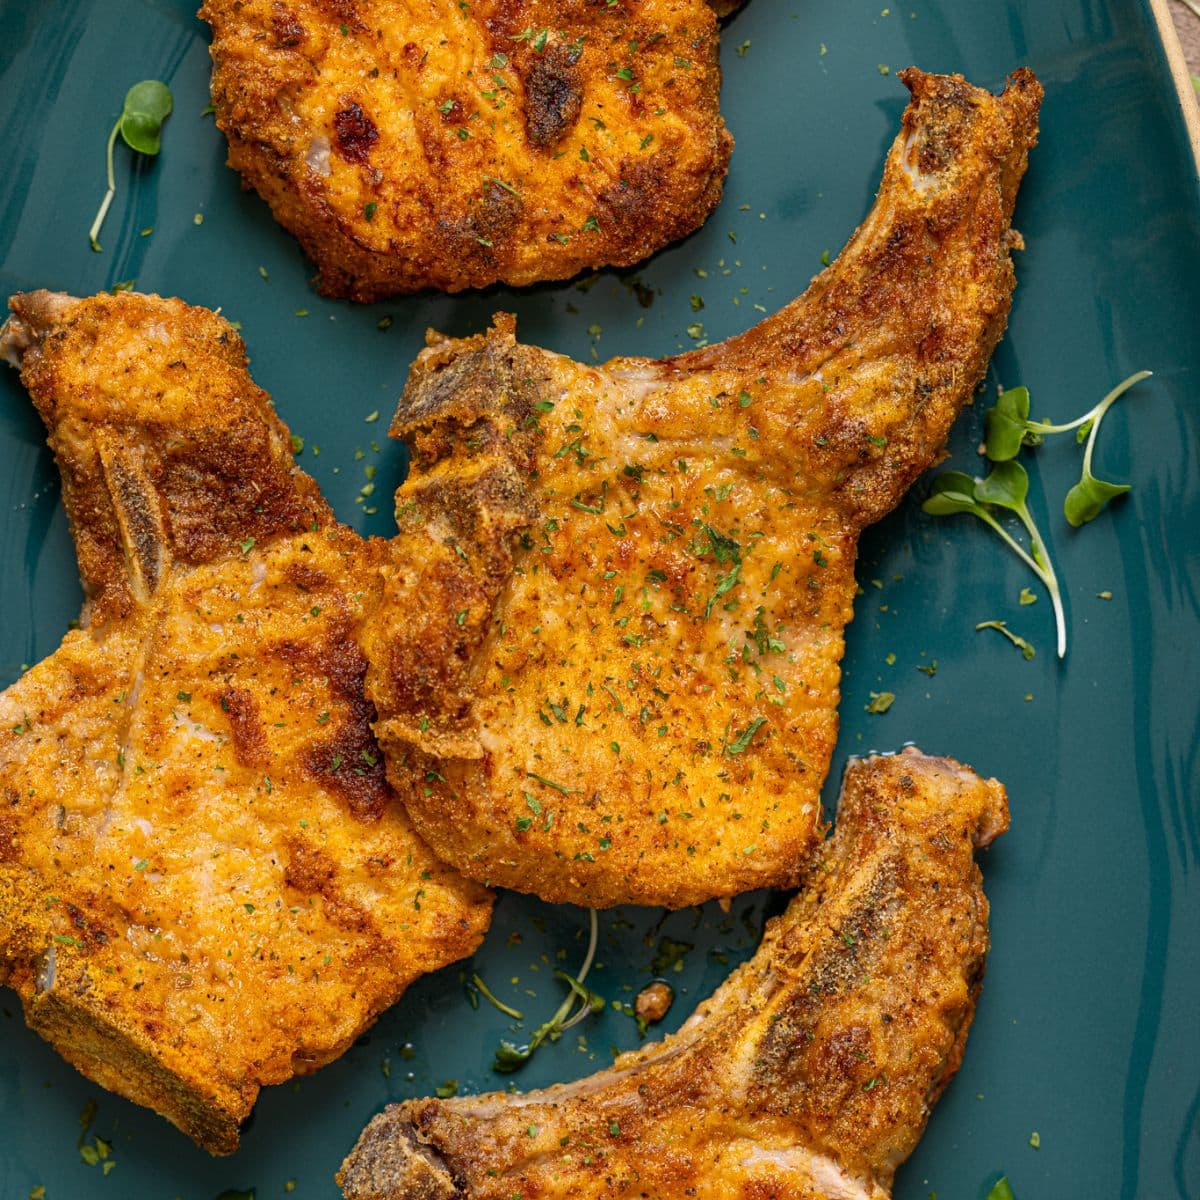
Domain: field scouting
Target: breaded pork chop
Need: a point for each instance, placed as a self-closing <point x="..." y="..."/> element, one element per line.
<point x="450" y="145"/>
<point x="611" y="673"/>
<point x="809" y="1075"/>
<point x="206" y="884"/>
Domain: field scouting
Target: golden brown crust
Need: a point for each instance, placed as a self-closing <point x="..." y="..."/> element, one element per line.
<point x="206" y="884"/>
<point x="452" y="146"/>
<point x="811" y="1072"/>
<point x="625" y="586"/>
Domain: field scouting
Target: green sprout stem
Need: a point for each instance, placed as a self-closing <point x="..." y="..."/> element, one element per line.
<point x="1039" y="563"/>
<point x="1102" y="408"/>
<point x="94" y="232"/>
<point x="1092" y="415"/>
<point x="593" y="938"/>
<point x="491" y="999"/>
<point x="1044" y="566"/>
<point x="509" y="1057"/>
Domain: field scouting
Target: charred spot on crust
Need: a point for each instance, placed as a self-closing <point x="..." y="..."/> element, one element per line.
<point x="309" y="869"/>
<point x="553" y="96"/>
<point x="249" y="739"/>
<point x="452" y="111"/>
<point x="348" y="762"/>
<point x="221" y="489"/>
<point x="287" y="28"/>
<point x="306" y="578"/>
<point x="624" y="205"/>
<point x="354" y="133"/>
<point x="344" y="12"/>
<point x="498" y="213"/>
<point x="88" y="934"/>
<point x="313" y="872"/>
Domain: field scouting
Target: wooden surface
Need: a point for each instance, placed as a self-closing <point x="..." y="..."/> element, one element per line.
<point x="1188" y="25"/>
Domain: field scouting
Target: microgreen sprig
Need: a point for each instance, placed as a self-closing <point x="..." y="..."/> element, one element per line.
<point x="1008" y="428"/>
<point x="147" y="106"/>
<point x="1007" y="486"/>
<point x="1088" y="497"/>
<point x="510" y="1056"/>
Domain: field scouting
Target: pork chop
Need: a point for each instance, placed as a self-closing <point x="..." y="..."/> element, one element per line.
<point x="206" y="884"/>
<point x="810" y="1073"/>
<point x="606" y="655"/>
<point x="450" y="145"/>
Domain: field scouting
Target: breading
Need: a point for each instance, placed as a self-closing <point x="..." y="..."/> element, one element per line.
<point x="206" y="884"/>
<point x="606" y="655"/>
<point x="447" y="145"/>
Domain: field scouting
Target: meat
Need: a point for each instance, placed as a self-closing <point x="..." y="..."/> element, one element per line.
<point x="206" y="884"/>
<point x="606" y="654"/>
<point x="809" y="1075"/>
<point x="446" y="145"/>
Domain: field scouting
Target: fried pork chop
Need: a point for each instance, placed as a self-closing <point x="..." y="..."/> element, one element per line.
<point x="446" y="145"/>
<point x="606" y="657"/>
<point x="206" y="884"/>
<point x="809" y="1075"/>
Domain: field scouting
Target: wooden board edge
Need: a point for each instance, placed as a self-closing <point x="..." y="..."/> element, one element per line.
<point x="1161" y="12"/>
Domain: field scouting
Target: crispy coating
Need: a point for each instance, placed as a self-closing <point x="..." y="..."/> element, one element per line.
<point x="809" y="1075"/>
<point x="446" y="145"/>
<point x="606" y="657"/>
<point x="206" y="884"/>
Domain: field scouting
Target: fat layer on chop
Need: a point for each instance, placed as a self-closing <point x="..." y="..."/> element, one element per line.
<point x="206" y="884"/>
<point x="810" y="1073"/>
<point x="606" y="654"/>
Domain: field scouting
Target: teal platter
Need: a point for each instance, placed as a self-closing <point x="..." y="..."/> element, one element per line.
<point x="1087" y="1031"/>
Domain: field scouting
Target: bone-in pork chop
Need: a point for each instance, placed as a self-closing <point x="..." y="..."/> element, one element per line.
<point x="606" y="660"/>
<point x="809" y="1075"/>
<point x="206" y="884"/>
<point x="450" y="145"/>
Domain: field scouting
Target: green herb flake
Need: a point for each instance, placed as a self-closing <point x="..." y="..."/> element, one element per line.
<point x="1027" y="651"/>
<point x="742" y="743"/>
<point x="880" y="702"/>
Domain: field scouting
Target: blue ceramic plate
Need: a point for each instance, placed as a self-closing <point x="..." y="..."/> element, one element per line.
<point x="1087" y="1032"/>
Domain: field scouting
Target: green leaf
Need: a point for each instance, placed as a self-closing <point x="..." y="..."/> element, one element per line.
<point x="509" y="1057"/>
<point x="1007" y="485"/>
<point x="147" y="106"/>
<point x="951" y="492"/>
<point x="1001" y="1190"/>
<point x="1088" y="499"/>
<point x="151" y="97"/>
<point x="1005" y="425"/>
